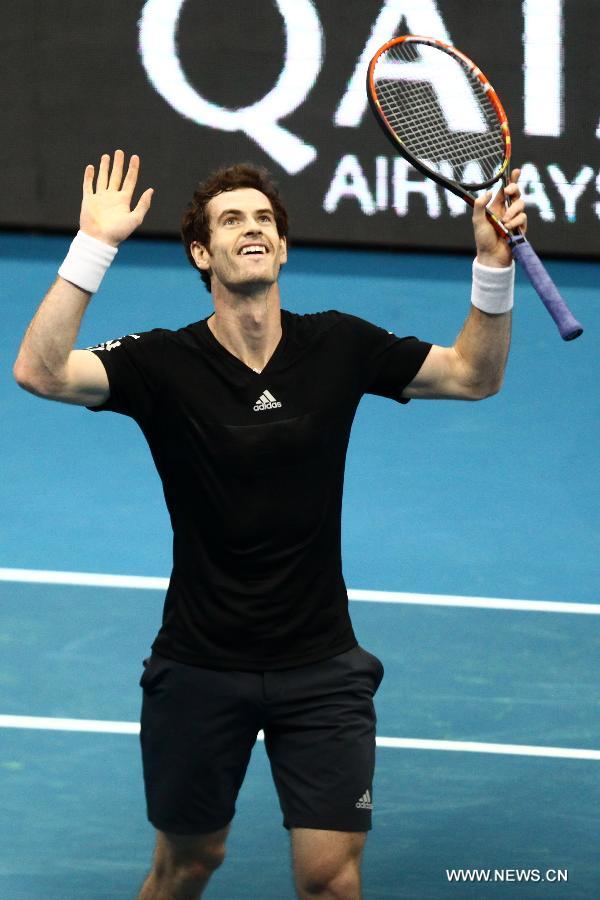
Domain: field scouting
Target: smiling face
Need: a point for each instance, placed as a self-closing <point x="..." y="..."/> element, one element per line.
<point x="245" y="251"/>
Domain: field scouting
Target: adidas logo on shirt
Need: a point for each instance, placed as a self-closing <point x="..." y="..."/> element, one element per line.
<point x="365" y="801"/>
<point x="266" y="401"/>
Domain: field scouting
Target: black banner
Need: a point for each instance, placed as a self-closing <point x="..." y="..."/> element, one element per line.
<point x="194" y="84"/>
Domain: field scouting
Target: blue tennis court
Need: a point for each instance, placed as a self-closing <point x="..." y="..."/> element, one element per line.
<point x="471" y="555"/>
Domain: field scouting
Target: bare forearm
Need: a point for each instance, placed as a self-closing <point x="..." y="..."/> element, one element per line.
<point x="483" y="346"/>
<point x="51" y="336"/>
<point x="484" y="341"/>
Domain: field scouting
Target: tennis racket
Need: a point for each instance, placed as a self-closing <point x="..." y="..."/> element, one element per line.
<point x="457" y="134"/>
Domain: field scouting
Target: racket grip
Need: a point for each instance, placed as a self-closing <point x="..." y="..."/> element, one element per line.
<point x="566" y="322"/>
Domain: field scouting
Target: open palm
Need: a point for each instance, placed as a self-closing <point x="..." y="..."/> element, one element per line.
<point x="106" y="212"/>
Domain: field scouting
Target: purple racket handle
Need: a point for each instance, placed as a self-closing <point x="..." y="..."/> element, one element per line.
<point x="566" y="322"/>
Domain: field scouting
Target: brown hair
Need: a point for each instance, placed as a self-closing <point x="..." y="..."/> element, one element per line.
<point x="195" y="225"/>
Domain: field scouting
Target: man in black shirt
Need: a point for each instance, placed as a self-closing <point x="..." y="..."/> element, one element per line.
<point x="248" y="414"/>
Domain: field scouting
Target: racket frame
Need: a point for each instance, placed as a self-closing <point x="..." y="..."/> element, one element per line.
<point x="461" y="190"/>
<point x="522" y="250"/>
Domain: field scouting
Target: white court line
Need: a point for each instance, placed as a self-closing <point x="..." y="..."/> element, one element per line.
<point x="47" y="723"/>
<point x="550" y="606"/>
<point x="147" y="583"/>
<point x="106" y="727"/>
<point x="84" y="579"/>
<point x="91" y="579"/>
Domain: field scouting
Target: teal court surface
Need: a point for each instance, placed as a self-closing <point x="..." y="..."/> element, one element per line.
<point x="470" y="535"/>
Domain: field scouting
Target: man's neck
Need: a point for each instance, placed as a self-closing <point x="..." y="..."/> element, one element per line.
<point x="249" y="327"/>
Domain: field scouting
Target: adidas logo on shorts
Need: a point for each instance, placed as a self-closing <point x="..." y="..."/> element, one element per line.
<point x="365" y="801"/>
<point x="266" y="401"/>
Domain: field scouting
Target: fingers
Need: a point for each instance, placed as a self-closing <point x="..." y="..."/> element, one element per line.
<point x="116" y="175"/>
<point x="88" y="180"/>
<point x="482" y="201"/>
<point x="107" y="211"/>
<point x="508" y="206"/>
<point x="110" y="179"/>
<point x="143" y="205"/>
<point x="513" y="216"/>
<point x="102" y="180"/>
<point x="510" y="192"/>
<point x="480" y="205"/>
<point x="132" y="174"/>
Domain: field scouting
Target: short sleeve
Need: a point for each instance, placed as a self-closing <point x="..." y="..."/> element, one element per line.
<point x="134" y="366"/>
<point x="387" y="363"/>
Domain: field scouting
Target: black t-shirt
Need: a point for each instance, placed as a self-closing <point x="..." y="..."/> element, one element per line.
<point x="252" y="467"/>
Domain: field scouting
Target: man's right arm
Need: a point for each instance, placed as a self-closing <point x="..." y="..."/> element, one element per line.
<point x="47" y="364"/>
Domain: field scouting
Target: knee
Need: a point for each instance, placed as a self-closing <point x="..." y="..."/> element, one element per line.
<point x="189" y="865"/>
<point x="203" y="863"/>
<point x="332" y="879"/>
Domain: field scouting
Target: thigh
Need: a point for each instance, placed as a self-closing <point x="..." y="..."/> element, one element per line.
<point x="198" y="727"/>
<point x="320" y="738"/>
<point x="309" y="844"/>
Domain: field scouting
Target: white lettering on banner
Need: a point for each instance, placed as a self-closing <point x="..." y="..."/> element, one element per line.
<point x="571" y="191"/>
<point x="543" y="66"/>
<point x="534" y="192"/>
<point x="404" y="185"/>
<point x="350" y="181"/>
<point x="456" y="205"/>
<point x="381" y="182"/>
<point x="422" y="17"/>
<point x="543" y="61"/>
<point x="302" y="64"/>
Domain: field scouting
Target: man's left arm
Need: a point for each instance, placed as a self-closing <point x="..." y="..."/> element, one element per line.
<point x="473" y="368"/>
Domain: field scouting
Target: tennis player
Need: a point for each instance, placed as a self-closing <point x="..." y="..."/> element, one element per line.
<point x="248" y="414"/>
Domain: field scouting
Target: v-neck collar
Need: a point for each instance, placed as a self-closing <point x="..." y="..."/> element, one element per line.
<point x="220" y="348"/>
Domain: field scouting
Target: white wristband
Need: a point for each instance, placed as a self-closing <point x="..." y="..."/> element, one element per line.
<point x="493" y="289"/>
<point x="86" y="262"/>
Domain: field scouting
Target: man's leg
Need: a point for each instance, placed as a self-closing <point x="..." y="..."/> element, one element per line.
<point x="198" y="727"/>
<point x="320" y="738"/>
<point x="183" y="864"/>
<point x="327" y="863"/>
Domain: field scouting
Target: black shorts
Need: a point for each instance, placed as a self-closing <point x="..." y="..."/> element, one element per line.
<point x="199" y="726"/>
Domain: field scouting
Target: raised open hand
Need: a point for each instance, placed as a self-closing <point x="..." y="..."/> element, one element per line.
<point x="106" y="212"/>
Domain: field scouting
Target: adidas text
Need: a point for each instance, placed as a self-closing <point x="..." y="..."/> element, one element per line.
<point x="365" y="801"/>
<point x="259" y="406"/>
<point x="266" y="401"/>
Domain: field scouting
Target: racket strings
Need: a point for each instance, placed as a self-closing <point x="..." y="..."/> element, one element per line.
<point x="413" y="111"/>
<point x="426" y="137"/>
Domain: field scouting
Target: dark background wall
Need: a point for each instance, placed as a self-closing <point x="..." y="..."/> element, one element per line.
<point x="76" y="83"/>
